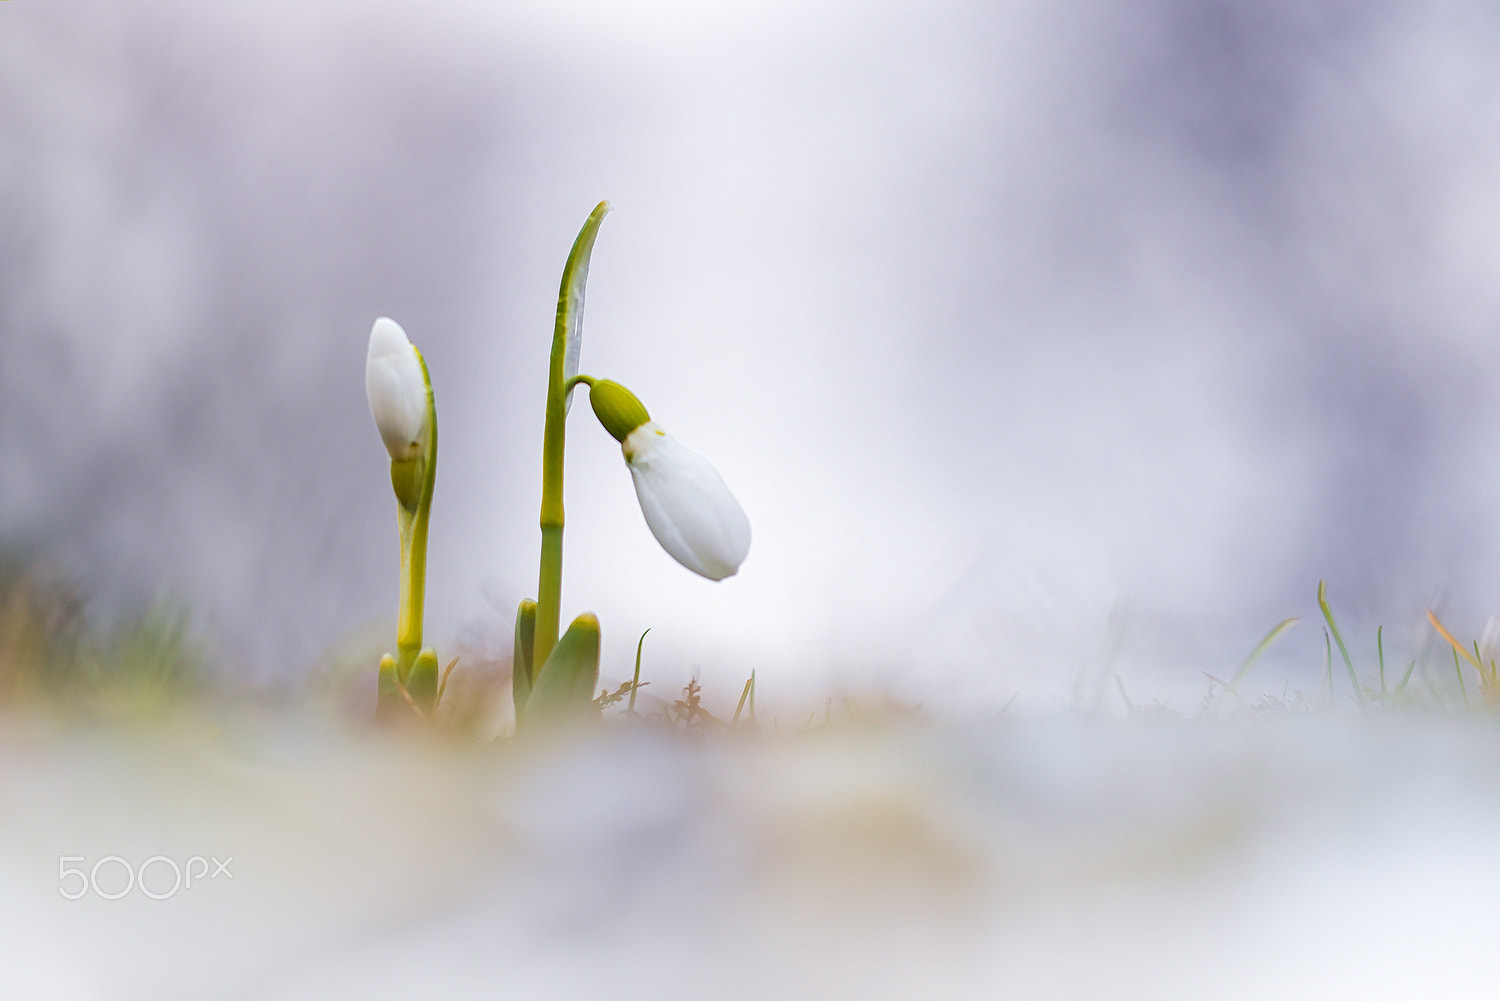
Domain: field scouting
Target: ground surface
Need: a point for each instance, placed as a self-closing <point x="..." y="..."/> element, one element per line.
<point x="1297" y="856"/>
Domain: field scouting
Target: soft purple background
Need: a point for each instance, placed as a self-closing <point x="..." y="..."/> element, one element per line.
<point x="1042" y="343"/>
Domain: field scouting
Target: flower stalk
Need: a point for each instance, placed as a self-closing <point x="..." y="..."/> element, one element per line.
<point x="399" y="389"/>
<point x="686" y="504"/>
<point x="413" y="524"/>
<point x="567" y="336"/>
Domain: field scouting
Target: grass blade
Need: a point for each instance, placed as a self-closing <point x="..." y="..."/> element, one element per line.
<point x="1249" y="662"/>
<point x="635" y="682"/>
<point x="1380" y="650"/>
<point x="1338" y="638"/>
<point x="1406" y="677"/>
<point x="443" y="684"/>
<point x="1460" y="672"/>
<point x="1328" y="663"/>
<point x="744" y="695"/>
<point x="1458" y="648"/>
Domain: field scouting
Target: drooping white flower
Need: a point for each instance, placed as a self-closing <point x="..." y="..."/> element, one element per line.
<point x="396" y="390"/>
<point x="687" y="506"/>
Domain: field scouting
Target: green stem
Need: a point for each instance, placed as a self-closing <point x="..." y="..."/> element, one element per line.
<point x="564" y="331"/>
<point x="549" y="583"/>
<point x="549" y="596"/>
<point x="413" y="592"/>
<point x="414" y="546"/>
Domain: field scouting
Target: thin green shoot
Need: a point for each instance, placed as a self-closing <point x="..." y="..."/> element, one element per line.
<point x="635" y="682"/>
<point x="1460" y="672"/>
<point x="443" y="684"/>
<point x="1343" y="650"/>
<point x="1459" y="650"/>
<point x="1249" y="662"/>
<point x="1328" y="663"/>
<point x="1380" y="649"/>
<point x="744" y="695"/>
<point x="1407" y="676"/>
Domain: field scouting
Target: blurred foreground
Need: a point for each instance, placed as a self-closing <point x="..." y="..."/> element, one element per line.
<point x="161" y="838"/>
<point x="1292" y="855"/>
<point x="165" y="838"/>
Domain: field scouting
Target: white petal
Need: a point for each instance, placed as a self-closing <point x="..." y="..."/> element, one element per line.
<point x="396" y="391"/>
<point x="687" y="506"/>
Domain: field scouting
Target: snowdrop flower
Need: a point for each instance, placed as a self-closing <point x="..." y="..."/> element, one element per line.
<point x="400" y="397"/>
<point x="396" y="389"/>
<point x="689" y="509"/>
<point x="687" y="506"/>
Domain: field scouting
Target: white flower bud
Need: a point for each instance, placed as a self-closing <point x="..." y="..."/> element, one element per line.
<point x="396" y="390"/>
<point x="687" y="506"/>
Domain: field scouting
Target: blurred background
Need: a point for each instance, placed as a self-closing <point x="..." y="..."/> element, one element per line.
<point x="1044" y="344"/>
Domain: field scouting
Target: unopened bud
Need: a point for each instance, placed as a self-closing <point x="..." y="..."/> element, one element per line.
<point x="617" y="408"/>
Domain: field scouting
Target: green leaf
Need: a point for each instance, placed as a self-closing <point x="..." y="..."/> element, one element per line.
<point x="570" y="298"/>
<point x="521" y="672"/>
<point x="564" y="687"/>
<point x="407" y="477"/>
<point x="388" y="701"/>
<point x="422" y="683"/>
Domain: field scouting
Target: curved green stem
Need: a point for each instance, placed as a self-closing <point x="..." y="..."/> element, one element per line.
<point x="413" y="524"/>
<point x="414" y="544"/>
<point x="565" y="334"/>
